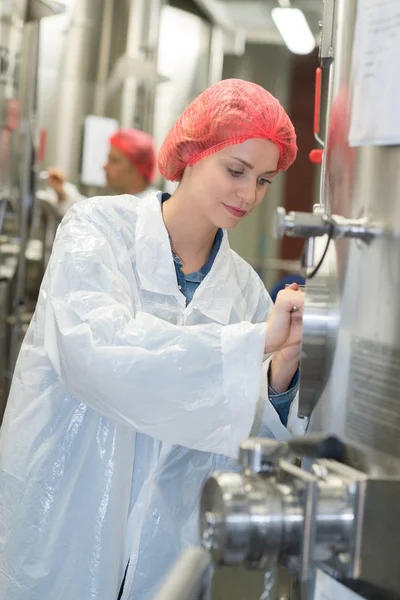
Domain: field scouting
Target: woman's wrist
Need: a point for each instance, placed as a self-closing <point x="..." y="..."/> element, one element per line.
<point x="270" y="343"/>
<point x="281" y="373"/>
<point x="62" y="196"/>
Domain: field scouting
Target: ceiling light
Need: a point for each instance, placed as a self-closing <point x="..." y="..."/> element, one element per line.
<point x="294" y="29"/>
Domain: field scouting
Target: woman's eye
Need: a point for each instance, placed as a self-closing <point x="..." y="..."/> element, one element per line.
<point x="263" y="181"/>
<point x="235" y="173"/>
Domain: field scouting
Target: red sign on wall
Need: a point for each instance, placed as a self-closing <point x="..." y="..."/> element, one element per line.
<point x="12" y="120"/>
<point x="42" y="145"/>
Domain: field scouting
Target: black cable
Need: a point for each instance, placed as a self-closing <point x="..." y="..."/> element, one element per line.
<point x="330" y="236"/>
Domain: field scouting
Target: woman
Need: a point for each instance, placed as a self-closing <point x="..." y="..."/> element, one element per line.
<point x="142" y="370"/>
<point x="130" y="169"/>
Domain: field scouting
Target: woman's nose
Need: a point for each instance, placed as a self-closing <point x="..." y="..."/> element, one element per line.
<point x="248" y="193"/>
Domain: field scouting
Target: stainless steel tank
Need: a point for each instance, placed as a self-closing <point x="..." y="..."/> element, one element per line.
<point x="97" y="74"/>
<point x="12" y="17"/>
<point x="19" y="34"/>
<point x="357" y="389"/>
<point x="335" y="523"/>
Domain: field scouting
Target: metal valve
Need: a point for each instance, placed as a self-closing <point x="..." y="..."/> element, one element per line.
<point x="299" y="224"/>
<point x="257" y="454"/>
<point x="253" y="517"/>
<point x="310" y="225"/>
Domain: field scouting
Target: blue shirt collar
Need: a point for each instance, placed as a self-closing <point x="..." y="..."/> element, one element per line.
<point x="206" y="268"/>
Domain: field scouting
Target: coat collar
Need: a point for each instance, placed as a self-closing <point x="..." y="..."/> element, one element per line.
<point x="214" y="296"/>
<point x="156" y="270"/>
<point x="153" y="256"/>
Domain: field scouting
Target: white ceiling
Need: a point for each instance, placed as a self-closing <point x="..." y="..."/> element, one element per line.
<point x="255" y="16"/>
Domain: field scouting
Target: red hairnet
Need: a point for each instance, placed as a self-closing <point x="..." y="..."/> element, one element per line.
<point x="229" y="112"/>
<point x="139" y="148"/>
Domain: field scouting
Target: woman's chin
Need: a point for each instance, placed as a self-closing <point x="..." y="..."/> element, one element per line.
<point x="226" y="221"/>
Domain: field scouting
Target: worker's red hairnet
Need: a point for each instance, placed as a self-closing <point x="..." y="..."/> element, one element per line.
<point x="139" y="148"/>
<point x="229" y="112"/>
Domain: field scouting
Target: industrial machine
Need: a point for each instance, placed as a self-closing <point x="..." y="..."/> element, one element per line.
<point x="326" y="507"/>
<point x="19" y="144"/>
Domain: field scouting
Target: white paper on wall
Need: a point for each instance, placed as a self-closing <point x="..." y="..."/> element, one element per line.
<point x="97" y="132"/>
<point x="375" y="116"/>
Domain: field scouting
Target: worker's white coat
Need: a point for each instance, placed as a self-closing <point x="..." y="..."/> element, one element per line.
<point x="123" y="401"/>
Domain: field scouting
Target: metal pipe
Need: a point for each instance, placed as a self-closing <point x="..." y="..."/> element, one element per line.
<point x="133" y="49"/>
<point x="104" y="57"/>
<point x="150" y="45"/>
<point x="216" y="62"/>
<point x="26" y="173"/>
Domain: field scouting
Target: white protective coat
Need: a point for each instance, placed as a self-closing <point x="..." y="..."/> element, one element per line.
<point x="123" y="402"/>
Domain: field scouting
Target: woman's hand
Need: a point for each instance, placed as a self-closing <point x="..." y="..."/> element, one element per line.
<point x="285" y="328"/>
<point x="57" y="179"/>
<point x="285" y="324"/>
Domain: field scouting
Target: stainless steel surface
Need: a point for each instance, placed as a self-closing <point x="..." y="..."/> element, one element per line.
<point x="11" y="30"/>
<point x="93" y="70"/>
<point x="103" y="66"/>
<point x="151" y="48"/>
<point x="134" y="77"/>
<point x="238" y="525"/>
<point x="215" y="71"/>
<point x="49" y="221"/>
<point x="9" y="255"/>
<point x="309" y="259"/>
<point x="26" y="171"/>
<point x="4" y="309"/>
<point x="289" y="515"/>
<point x="19" y="32"/>
<point x="186" y="63"/>
<point x="298" y="224"/>
<point x="320" y="324"/>
<point x="349" y="369"/>
<point x="352" y="315"/>
<point x="254" y="454"/>
<point x="341" y="517"/>
<point x="375" y="547"/>
<point x="8" y="269"/>
<point x="359" y="401"/>
<point x="326" y="47"/>
<point x="74" y="95"/>
<point x="326" y="517"/>
<point x="134" y="48"/>
<point x="309" y="225"/>
<point x="190" y="578"/>
<point x="12" y="17"/>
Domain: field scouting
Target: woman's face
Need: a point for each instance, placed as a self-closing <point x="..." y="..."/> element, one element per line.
<point x="121" y="174"/>
<point x="228" y="185"/>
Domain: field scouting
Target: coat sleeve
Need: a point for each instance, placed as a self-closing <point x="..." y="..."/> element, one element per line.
<point x="73" y="195"/>
<point x="195" y="386"/>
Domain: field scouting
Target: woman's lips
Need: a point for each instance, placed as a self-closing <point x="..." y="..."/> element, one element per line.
<point x="236" y="212"/>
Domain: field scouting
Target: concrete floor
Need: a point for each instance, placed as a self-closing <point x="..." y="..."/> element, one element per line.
<point x="241" y="584"/>
<point x="237" y="584"/>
